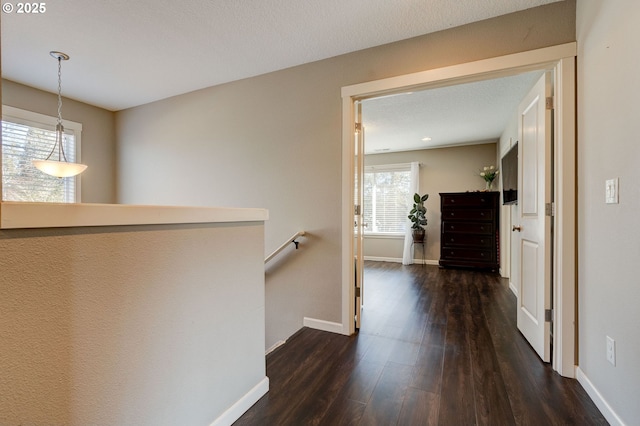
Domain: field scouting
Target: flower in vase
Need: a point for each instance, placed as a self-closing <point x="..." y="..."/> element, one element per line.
<point x="489" y="174"/>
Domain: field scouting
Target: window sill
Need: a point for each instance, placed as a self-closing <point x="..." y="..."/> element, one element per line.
<point x="382" y="235"/>
<point x="17" y="215"/>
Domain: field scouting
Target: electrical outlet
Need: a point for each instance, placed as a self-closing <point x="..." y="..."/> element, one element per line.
<point x="611" y="350"/>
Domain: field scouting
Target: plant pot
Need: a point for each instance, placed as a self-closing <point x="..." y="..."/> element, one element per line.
<point x="418" y="235"/>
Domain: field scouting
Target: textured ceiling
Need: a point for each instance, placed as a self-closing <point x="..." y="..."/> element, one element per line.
<point x="456" y="115"/>
<point x="126" y="53"/>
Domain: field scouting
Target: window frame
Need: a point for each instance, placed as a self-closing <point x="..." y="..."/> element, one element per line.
<point x="33" y="119"/>
<point x="401" y="167"/>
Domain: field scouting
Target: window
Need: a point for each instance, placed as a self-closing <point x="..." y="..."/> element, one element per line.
<point x="386" y="198"/>
<point x="29" y="136"/>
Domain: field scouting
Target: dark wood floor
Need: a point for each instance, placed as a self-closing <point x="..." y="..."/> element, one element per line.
<point x="437" y="347"/>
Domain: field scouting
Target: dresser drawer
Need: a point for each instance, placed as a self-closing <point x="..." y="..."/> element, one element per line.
<point x="467" y="254"/>
<point x="449" y="226"/>
<point x="470" y="199"/>
<point x="471" y="214"/>
<point x="452" y="239"/>
<point x="469" y="230"/>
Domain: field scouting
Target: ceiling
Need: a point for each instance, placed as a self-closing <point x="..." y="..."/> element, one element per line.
<point x="463" y="114"/>
<point x="126" y="53"/>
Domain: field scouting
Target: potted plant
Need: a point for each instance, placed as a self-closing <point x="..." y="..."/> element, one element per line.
<point x="418" y="218"/>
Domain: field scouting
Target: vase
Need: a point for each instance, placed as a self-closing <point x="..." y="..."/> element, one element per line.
<point x="488" y="185"/>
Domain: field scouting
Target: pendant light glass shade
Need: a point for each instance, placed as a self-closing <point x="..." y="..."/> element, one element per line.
<point x="61" y="167"/>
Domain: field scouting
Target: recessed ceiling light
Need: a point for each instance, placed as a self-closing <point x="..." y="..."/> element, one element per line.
<point x="426" y="139"/>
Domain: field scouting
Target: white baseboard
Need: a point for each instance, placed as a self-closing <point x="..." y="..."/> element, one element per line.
<point x="597" y="398"/>
<point x="383" y="259"/>
<point x="513" y="288"/>
<point x="275" y="346"/>
<point x="236" y="411"/>
<point x="333" y="327"/>
<point x="399" y="260"/>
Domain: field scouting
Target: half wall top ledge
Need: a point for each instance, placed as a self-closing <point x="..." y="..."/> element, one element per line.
<point x="20" y="215"/>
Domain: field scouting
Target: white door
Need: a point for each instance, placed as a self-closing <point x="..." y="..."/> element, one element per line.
<point x="357" y="213"/>
<point x="532" y="227"/>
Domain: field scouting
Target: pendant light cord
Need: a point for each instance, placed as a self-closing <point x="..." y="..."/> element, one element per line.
<point x="59" y="126"/>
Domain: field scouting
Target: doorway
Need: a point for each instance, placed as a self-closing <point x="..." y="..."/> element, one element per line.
<point x="560" y="59"/>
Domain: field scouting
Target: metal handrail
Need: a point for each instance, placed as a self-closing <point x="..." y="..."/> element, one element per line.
<point x="285" y="244"/>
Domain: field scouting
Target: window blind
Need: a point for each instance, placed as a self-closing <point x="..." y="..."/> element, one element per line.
<point x="21" y="181"/>
<point x="386" y="198"/>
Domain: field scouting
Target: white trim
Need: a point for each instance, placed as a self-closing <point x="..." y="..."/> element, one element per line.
<point x="275" y="346"/>
<point x="348" y="250"/>
<point x="565" y="252"/>
<point x="382" y="235"/>
<point x="399" y="260"/>
<point x="317" y="324"/>
<point x="383" y="259"/>
<point x="560" y="58"/>
<point x="513" y="288"/>
<point x="398" y="167"/>
<point x="58" y="215"/>
<point x="241" y="406"/>
<point x="598" y="399"/>
<point x="466" y="72"/>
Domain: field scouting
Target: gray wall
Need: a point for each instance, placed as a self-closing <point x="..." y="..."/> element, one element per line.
<point x="129" y="325"/>
<point x="443" y="170"/>
<point x="609" y="234"/>
<point x="274" y="141"/>
<point x="98" y="136"/>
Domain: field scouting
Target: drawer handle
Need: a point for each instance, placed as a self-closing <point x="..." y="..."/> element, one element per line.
<point x="453" y="214"/>
<point x="481" y="254"/>
<point x="481" y="213"/>
<point x="453" y="240"/>
<point x="452" y="227"/>
<point x="482" y="200"/>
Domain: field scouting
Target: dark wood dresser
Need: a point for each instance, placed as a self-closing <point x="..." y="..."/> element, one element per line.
<point x="469" y="231"/>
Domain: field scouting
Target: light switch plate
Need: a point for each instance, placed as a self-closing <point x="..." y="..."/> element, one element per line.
<point x="611" y="191"/>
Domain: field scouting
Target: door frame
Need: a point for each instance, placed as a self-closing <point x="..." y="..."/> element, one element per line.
<point x="561" y="59"/>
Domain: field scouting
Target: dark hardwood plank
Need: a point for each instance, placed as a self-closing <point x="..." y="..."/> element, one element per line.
<point x="386" y="401"/>
<point x="491" y="402"/>
<point x="457" y="405"/>
<point x="437" y="346"/>
<point x="419" y="408"/>
<point x="427" y="374"/>
<point x="344" y="412"/>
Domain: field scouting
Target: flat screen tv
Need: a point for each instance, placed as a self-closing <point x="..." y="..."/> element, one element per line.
<point x="509" y="173"/>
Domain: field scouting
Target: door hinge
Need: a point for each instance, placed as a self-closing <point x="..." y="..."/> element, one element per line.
<point x="358" y="127"/>
<point x="550" y="209"/>
<point x="548" y="315"/>
<point x="549" y="102"/>
<point x="357" y="291"/>
<point x="356" y="210"/>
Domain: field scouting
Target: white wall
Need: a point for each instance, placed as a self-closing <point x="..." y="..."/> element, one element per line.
<point x="130" y="325"/>
<point x="609" y="234"/>
<point x="443" y="170"/>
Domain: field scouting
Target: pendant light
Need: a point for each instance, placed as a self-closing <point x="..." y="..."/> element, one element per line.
<point x="60" y="167"/>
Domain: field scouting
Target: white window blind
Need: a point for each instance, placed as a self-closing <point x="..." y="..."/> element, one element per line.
<point x="386" y="198"/>
<point x="29" y="136"/>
